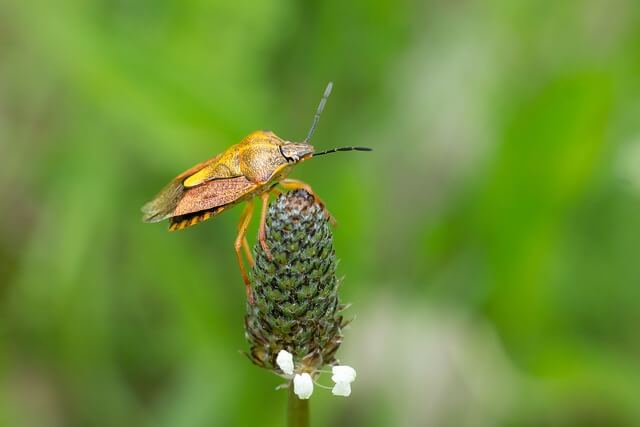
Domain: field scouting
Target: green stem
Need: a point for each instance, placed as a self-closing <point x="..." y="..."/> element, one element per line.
<point x="297" y="411"/>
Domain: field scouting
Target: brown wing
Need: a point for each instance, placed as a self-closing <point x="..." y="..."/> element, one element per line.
<point x="213" y="194"/>
<point x="209" y="199"/>
<point x="163" y="205"/>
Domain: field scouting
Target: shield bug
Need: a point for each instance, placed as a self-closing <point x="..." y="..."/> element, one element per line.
<point x="252" y="168"/>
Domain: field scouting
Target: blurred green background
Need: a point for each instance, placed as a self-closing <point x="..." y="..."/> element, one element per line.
<point x="489" y="243"/>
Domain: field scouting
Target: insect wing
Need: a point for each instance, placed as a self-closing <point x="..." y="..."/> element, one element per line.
<point x="165" y="202"/>
<point x="213" y="194"/>
<point x="163" y="205"/>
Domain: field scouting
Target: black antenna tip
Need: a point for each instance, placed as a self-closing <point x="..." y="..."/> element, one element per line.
<point x="335" y="150"/>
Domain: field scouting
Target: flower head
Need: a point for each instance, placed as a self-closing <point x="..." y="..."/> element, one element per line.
<point x="303" y="385"/>
<point x="295" y="289"/>
<point x="294" y="325"/>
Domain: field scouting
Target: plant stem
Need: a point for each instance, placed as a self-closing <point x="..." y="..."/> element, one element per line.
<point x="297" y="410"/>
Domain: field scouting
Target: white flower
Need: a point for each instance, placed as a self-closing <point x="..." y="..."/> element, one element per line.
<point x="285" y="361"/>
<point x="303" y="385"/>
<point x="343" y="374"/>
<point x="341" y="389"/>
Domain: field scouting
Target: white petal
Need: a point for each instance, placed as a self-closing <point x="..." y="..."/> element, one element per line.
<point x="285" y="361"/>
<point x="341" y="389"/>
<point x="343" y="374"/>
<point x="303" y="385"/>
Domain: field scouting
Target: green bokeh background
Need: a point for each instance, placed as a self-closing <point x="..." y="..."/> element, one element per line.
<point x="489" y="244"/>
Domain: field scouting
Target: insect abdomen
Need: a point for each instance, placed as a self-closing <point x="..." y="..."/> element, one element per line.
<point x="183" y="221"/>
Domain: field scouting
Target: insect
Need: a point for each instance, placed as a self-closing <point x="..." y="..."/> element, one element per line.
<point x="250" y="169"/>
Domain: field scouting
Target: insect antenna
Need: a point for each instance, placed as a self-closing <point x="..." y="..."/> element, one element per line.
<point x="335" y="150"/>
<point x="316" y="118"/>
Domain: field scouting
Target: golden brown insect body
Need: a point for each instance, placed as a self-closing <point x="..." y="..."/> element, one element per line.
<point x="242" y="172"/>
<point x="249" y="169"/>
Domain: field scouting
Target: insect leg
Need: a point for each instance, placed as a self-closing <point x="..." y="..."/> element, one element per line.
<point x="262" y="234"/>
<point x="242" y="233"/>
<point x="247" y="252"/>
<point x="245" y="243"/>
<point x="294" y="184"/>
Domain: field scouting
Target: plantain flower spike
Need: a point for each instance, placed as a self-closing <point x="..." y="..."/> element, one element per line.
<point x="294" y="327"/>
